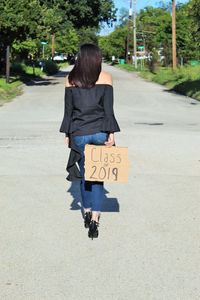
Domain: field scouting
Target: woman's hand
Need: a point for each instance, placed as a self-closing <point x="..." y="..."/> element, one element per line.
<point x="66" y="140"/>
<point x="111" y="140"/>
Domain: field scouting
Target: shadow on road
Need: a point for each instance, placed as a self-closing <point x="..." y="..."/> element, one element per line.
<point x="39" y="81"/>
<point x="190" y="88"/>
<point x="109" y="204"/>
<point x="43" y="81"/>
<point x="61" y="74"/>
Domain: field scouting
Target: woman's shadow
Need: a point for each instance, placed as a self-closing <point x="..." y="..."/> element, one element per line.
<point x="109" y="204"/>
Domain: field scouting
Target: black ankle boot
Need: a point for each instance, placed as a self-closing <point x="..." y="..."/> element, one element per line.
<point x="93" y="229"/>
<point x="87" y="218"/>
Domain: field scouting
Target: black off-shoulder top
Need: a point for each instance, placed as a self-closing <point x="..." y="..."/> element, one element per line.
<point x="87" y="111"/>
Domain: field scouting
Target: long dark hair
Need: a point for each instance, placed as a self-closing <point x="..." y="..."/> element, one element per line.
<point x="87" y="67"/>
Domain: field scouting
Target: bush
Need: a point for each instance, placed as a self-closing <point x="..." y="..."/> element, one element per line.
<point x="185" y="80"/>
<point x="50" y="67"/>
<point x="154" y="62"/>
<point x="17" y="68"/>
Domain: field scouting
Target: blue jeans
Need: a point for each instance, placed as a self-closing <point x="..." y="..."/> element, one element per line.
<point x="91" y="192"/>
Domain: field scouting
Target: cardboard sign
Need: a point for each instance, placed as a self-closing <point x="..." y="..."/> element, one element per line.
<point x="106" y="163"/>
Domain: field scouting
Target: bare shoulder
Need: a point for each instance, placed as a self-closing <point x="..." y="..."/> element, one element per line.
<point x="67" y="84"/>
<point x="105" y="78"/>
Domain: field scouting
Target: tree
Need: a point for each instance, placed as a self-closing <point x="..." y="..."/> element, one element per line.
<point x="194" y="12"/>
<point x="16" y="20"/>
<point x="38" y="19"/>
<point x="24" y="49"/>
<point x="154" y="31"/>
<point x="155" y="23"/>
<point x="87" y="35"/>
<point x="67" y="41"/>
<point x="86" y="13"/>
<point x="16" y="23"/>
<point x="114" y="43"/>
<point x="187" y="46"/>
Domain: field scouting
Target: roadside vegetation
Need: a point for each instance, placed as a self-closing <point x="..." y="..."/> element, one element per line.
<point x="9" y="91"/>
<point x="59" y="27"/>
<point x="185" y="80"/>
<point x="154" y="34"/>
<point x="22" y="73"/>
<point x="33" y="32"/>
<point x="154" y="45"/>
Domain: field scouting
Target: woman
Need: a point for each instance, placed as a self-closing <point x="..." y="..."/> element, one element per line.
<point x="88" y="119"/>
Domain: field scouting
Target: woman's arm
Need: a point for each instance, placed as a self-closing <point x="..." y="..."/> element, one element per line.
<point x="67" y="113"/>
<point x="111" y="140"/>
<point x="110" y="123"/>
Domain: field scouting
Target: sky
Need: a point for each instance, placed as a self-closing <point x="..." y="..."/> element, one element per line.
<point x="139" y="5"/>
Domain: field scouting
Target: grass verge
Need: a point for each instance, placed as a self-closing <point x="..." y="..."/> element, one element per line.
<point x="127" y="67"/>
<point x="185" y="80"/>
<point x="23" y="74"/>
<point x="9" y="91"/>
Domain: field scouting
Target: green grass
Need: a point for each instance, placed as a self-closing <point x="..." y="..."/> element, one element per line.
<point x="29" y="71"/>
<point x="185" y="80"/>
<point x="9" y="91"/>
<point x="127" y="67"/>
<point x="63" y="65"/>
<point x="13" y="89"/>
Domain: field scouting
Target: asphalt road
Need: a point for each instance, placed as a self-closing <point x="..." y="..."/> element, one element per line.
<point x="149" y="242"/>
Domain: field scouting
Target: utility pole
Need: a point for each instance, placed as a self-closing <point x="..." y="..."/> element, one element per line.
<point x="134" y="36"/>
<point x="7" y="64"/>
<point x="129" y="33"/>
<point x="174" y="60"/>
<point x="53" y="45"/>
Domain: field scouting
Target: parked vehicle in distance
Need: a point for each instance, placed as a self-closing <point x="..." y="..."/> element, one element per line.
<point x="148" y="57"/>
<point x="60" y="57"/>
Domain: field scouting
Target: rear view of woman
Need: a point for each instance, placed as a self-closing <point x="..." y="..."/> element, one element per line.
<point x="88" y="119"/>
